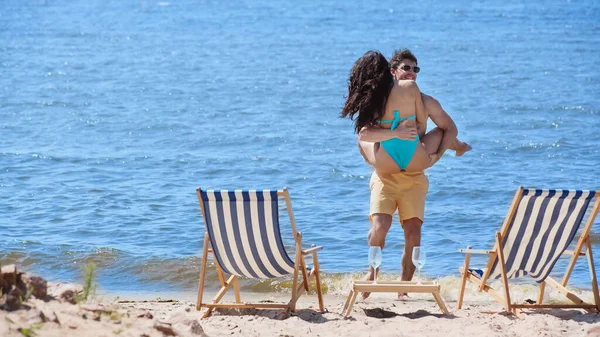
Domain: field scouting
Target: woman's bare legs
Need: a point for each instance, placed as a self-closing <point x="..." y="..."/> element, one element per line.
<point x="422" y="159"/>
<point x="425" y="155"/>
<point x="460" y="147"/>
<point x="433" y="139"/>
<point x="377" y="157"/>
<point x="367" y="150"/>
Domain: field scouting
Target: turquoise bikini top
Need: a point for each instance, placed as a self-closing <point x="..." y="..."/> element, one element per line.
<point x="397" y="119"/>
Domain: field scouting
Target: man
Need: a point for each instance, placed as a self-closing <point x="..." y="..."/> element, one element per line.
<point x="403" y="66"/>
<point x="405" y="191"/>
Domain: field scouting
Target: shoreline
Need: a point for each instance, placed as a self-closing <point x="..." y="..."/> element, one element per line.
<point x="173" y="313"/>
<point x="520" y="292"/>
<point x="383" y="315"/>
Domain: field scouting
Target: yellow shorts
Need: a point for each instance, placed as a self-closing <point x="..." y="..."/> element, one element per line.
<point x="403" y="191"/>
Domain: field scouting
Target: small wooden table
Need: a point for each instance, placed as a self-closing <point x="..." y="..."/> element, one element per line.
<point x="393" y="287"/>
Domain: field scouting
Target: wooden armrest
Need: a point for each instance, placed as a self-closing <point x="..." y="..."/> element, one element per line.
<point x="475" y="251"/>
<point x="311" y="250"/>
<point x="570" y="252"/>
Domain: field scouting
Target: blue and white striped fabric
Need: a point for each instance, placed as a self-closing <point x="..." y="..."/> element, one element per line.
<point x="243" y="228"/>
<point x="544" y="224"/>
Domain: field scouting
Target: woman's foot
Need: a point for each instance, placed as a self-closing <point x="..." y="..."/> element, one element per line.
<point x="463" y="148"/>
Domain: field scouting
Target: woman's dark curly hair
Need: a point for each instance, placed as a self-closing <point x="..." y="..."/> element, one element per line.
<point x="368" y="87"/>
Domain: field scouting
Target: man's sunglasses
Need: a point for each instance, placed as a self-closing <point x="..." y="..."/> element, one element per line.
<point x="407" y="68"/>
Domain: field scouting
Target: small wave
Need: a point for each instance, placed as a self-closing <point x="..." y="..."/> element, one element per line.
<point x="519" y="292"/>
<point x="340" y="283"/>
<point x="102" y="257"/>
<point x="536" y="146"/>
<point x="22" y="259"/>
<point x="118" y="272"/>
<point x="595" y="238"/>
<point x="576" y="108"/>
<point x="184" y="275"/>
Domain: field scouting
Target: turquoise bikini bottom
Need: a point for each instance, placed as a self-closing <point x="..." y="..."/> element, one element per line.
<point x="401" y="150"/>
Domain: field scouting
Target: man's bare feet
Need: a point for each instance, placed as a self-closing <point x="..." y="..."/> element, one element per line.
<point x="403" y="297"/>
<point x="370" y="277"/>
<point x="464" y="147"/>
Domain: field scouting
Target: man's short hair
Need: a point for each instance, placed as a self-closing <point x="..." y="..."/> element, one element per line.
<point x="400" y="55"/>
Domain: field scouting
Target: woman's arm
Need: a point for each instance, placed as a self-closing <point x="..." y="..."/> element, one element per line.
<point x="375" y="134"/>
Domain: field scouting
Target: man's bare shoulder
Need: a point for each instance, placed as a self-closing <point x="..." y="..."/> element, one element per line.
<point x="432" y="105"/>
<point x="429" y="99"/>
<point x="436" y="112"/>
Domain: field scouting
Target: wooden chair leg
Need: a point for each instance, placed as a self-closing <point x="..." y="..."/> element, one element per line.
<point x="351" y="304"/>
<point x="593" y="273"/>
<point x="220" y="272"/>
<point x="206" y="313"/>
<point x="304" y="275"/>
<point x="203" y="265"/>
<point x="560" y="288"/>
<point x="285" y="314"/>
<point x="582" y="240"/>
<point x="220" y="294"/>
<point x="224" y="285"/>
<point x="463" y="281"/>
<point x="347" y="303"/>
<point x="540" y="299"/>
<point x="440" y="302"/>
<point x="486" y="288"/>
<point x="236" y="290"/>
<point x="297" y="266"/>
<point x="318" y="281"/>
<point x="503" y="270"/>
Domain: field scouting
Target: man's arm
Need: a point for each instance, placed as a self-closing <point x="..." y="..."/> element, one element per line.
<point x="443" y="121"/>
<point x="375" y="134"/>
<point x="419" y="105"/>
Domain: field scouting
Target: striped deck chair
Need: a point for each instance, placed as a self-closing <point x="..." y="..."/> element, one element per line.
<point x="537" y="230"/>
<point x="243" y="235"/>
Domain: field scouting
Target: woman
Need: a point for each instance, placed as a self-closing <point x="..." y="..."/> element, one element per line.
<point x="378" y="100"/>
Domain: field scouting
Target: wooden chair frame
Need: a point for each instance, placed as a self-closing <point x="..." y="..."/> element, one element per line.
<point x="497" y="253"/>
<point x="232" y="280"/>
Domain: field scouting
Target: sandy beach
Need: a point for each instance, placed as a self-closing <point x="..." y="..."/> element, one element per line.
<point x="114" y="113"/>
<point x="151" y="314"/>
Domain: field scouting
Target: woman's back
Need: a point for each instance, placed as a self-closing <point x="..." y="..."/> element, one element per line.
<point x="380" y="101"/>
<point x="401" y="105"/>
<point x="374" y="103"/>
<point x="402" y="98"/>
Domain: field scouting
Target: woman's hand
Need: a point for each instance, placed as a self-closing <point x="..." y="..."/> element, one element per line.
<point x="405" y="132"/>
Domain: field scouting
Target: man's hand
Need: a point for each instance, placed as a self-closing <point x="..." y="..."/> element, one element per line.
<point x="405" y="132"/>
<point x="433" y="158"/>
